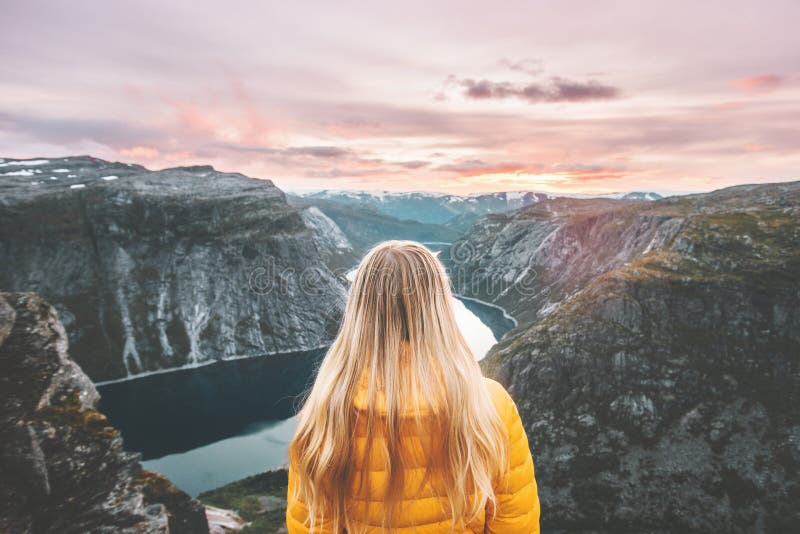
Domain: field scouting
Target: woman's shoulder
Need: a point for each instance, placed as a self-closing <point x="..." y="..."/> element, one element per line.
<point x="502" y="400"/>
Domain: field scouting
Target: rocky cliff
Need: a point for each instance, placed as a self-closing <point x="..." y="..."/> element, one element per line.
<point x="657" y="369"/>
<point x="154" y="270"/>
<point x="62" y="467"/>
<point x="529" y="260"/>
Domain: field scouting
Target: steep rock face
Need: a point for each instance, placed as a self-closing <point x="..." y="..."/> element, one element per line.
<point x="529" y="260"/>
<point x="336" y="247"/>
<point x="664" y="394"/>
<point x="62" y="468"/>
<point x="153" y="270"/>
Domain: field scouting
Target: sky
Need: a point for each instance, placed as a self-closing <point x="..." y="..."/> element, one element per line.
<point x="462" y="97"/>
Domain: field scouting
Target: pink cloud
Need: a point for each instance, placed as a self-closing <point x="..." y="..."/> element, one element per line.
<point x="476" y="167"/>
<point x="253" y="125"/>
<point x="753" y="147"/>
<point x="590" y="175"/>
<point x="309" y="106"/>
<point x="730" y="105"/>
<point x="193" y="122"/>
<point x="760" y="84"/>
<point x="140" y="152"/>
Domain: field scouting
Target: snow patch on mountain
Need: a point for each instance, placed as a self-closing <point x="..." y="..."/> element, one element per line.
<point x="25" y="163"/>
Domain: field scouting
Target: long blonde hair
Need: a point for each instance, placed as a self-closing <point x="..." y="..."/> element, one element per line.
<point x="399" y="340"/>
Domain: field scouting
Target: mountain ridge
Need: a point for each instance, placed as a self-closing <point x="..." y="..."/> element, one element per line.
<point x="163" y="269"/>
<point x="659" y="380"/>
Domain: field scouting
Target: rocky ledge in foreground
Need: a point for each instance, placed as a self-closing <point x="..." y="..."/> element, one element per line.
<point x="62" y="467"/>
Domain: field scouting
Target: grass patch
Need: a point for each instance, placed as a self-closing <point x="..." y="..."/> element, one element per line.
<point x="248" y="498"/>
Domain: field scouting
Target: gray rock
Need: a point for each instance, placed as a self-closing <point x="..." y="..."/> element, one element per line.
<point x="662" y="393"/>
<point x="62" y="468"/>
<point x="155" y="270"/>
<point x="530" y="260"/>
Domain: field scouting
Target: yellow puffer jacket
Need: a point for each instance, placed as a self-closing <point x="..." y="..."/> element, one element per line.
<point x="424" y="512"/>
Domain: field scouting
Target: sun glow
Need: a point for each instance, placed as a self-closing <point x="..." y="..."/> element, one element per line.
<point x="517" y="181"/>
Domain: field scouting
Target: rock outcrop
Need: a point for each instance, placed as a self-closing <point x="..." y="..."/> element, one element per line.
<point x="62" y="467"/>
<point x="659" y="381"/>
<point x="154" y="270"/>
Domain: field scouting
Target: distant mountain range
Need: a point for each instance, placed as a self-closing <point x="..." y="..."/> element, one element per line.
<point x="364" y="225"/>
<point x="440" y="208"/>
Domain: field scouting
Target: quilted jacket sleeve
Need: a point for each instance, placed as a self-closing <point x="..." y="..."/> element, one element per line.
<point x="517" y="508"/>
<point x="297" y="513"/>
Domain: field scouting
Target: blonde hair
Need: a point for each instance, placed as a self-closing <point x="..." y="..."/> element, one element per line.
<point x="399" y="340"/>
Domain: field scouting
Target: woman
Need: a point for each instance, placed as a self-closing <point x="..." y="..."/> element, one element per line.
<point x="401" y="432"/>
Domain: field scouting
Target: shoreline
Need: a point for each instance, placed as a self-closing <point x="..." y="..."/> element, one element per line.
<point x="495" y="306"/>
<point x="189" y="367"/>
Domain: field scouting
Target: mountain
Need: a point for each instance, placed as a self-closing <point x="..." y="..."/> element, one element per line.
<point x="656" y="365"/>
<point x="62" y="467"/>
<point x="458" y="212"/>
<point x="334" y="246"/>
<point x="174" y="268"/>
<point x="433" y="208"/>
<point x="528" y="260"/>
<point x="364" y="225"/>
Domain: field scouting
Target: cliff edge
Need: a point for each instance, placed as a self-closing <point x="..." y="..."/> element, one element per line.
<point x="62" y="467"/>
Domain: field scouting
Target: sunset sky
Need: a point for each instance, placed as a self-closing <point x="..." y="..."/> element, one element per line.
<point x="571" y="96"/>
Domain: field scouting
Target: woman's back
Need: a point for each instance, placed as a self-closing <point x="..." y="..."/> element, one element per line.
<point x="401" y="432"/>
<point x="424" y="502"/>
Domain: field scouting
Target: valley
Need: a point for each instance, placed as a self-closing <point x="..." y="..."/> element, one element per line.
<point x="651" y="344"/>
<point x="206" y="427"/>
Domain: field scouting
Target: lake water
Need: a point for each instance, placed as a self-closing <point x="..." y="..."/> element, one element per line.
<point x="211" y="425"/>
